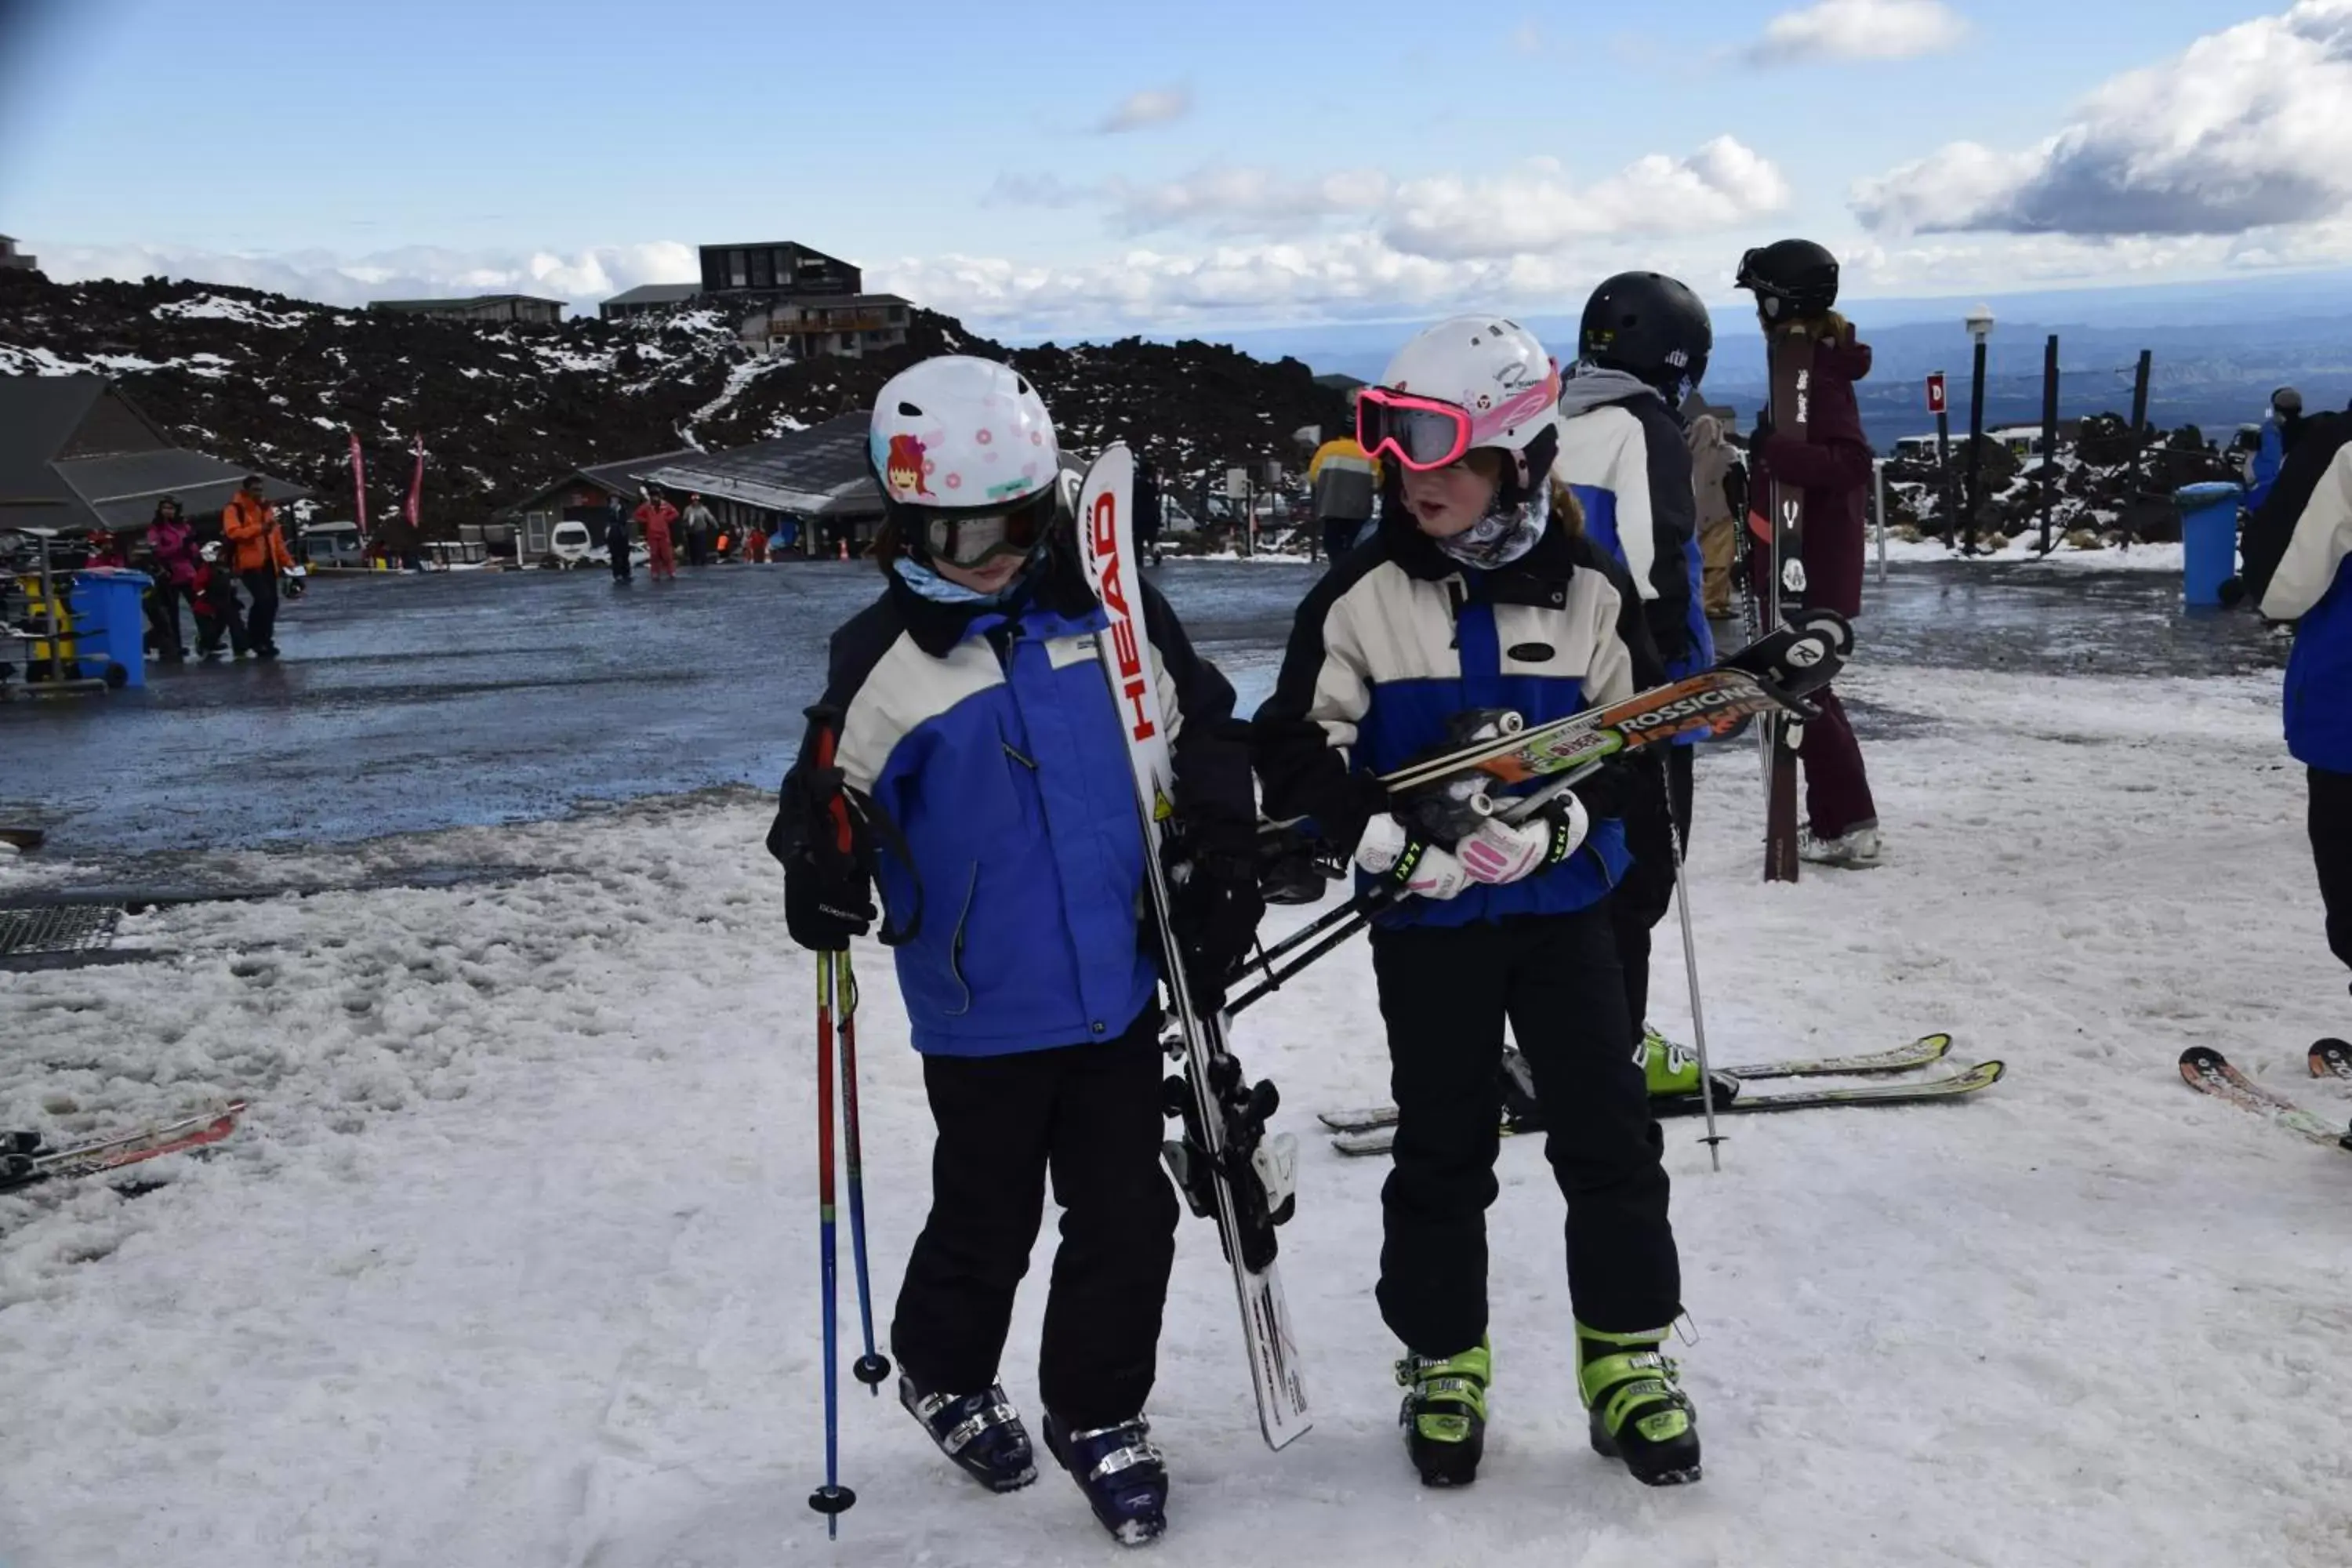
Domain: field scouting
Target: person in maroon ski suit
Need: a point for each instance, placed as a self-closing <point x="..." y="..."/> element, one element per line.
<point x="1832" y="461"/>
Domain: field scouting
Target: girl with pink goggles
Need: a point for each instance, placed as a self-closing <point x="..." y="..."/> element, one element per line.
<point x="1424" y="433"/>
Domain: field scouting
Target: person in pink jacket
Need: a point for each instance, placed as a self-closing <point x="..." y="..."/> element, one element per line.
<point x="657" y="516"/>
<point x="172" y="544"/>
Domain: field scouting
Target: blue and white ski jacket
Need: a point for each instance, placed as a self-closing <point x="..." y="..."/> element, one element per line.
<point x="1398" y="638"/>
<point x="2297" y="547"/>
<point x="1621" y="451"/>
<point x="990" y="739"/>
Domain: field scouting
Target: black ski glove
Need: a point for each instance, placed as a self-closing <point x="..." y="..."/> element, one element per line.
<point x="1215" y="905"/>
<point x="828" y="861"/>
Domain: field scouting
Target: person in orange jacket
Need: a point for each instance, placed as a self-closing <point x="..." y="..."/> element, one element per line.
<point x="658" y="515"/>
<point x="257" y="554"/>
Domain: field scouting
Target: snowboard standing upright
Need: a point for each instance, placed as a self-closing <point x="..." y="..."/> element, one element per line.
<point x="1791" y="359"/>
<point x="1227" y="1166"/>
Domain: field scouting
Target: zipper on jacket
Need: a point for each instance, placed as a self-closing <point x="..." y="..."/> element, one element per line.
<point x="955" y="944"/>
<point x="1457" y="595"/>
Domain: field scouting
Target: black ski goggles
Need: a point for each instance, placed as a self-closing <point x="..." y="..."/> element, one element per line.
<point x="975" y="537"/>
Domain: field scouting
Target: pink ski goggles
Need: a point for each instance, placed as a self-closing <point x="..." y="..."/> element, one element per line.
<point x="1424" y="433"/>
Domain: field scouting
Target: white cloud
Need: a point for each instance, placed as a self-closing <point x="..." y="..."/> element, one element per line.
<point x="1859" y="30"/>
<point x="1527" y="38"/>
<point x="2247" y="128"/>
<point x="1530" y="211"/>
<point x="1538" y="210"/>
<point x="409" y="272"/>
<point x="1152" y="106"/>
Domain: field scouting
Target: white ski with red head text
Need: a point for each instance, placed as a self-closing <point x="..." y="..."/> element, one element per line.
<point x="1106" y="544"/>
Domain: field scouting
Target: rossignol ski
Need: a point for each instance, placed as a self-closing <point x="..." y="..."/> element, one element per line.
<point x="1959" y="1085"/>
<point x="1925" y="1052"/>
<point x="1227" y="1165"/>
<point x="1768" y="675"/>
<point x="24" y="1162"/>
<point x="2208" y="1071"/>
<point x="1790" y="353"/>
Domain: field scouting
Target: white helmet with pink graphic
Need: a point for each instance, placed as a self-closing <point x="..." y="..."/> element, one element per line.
<point x="963" y="450"/>
<point x="1470" y="381"/>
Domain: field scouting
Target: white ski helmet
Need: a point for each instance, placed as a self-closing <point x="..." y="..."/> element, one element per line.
<point x="1492" y="369"/>
<point x="962" y="433"/>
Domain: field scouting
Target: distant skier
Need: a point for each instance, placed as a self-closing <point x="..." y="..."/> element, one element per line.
<point x="620" y="539"/>
<point x="2296" y="548"/>
<point x="257" y="554"/>
<point x="1478" y="591"/>
<point x="1796" y="283"/>
<point x="701" y="526"/>
<point x="1344" y="484"/>
<point x="658" y="517"/>
<point x="2282" y="430"/>
<point x="966" y="706"/>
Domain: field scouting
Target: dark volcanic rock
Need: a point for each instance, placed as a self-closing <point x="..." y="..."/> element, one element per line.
<point x="276" y="382"/>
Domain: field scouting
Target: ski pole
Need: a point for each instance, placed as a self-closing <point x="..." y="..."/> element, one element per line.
<point x="1713" y="1140"/>
<point x="831" y="1500"/>
<point x="1357" y="912"/>
<point x="871" y="1368"/>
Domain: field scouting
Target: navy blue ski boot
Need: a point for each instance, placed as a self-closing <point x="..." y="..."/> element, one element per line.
<point x="979" y="1431"/>
<point x="1121" y="1472"/>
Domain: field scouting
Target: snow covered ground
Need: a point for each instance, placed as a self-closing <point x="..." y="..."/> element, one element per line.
<point x="2026" y="546"/>
<point x="515" y="1261"/>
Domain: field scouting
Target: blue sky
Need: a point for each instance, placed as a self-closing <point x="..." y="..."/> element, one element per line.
<point x="1275" y="163"/>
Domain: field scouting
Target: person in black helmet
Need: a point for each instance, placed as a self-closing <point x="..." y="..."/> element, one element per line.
<point x="1642" y="350"/>
<point x="1796" y="283"/>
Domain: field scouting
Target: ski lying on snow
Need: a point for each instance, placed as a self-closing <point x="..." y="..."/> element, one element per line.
<point x="1951" y="1086"/>
<point x="2331" y="1058"/>
<point x="20" y="1167"/>
<point x="1925" y="1052"/>
<point x="2209" y="1071"/>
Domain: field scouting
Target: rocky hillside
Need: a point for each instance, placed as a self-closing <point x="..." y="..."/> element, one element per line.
<point x="275" y="383"/>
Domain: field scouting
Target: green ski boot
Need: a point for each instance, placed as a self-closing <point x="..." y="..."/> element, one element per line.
<point x="1672" y="1068"/>
<point x="1444" y="1414"/>
<point x="1639" y="1414"/>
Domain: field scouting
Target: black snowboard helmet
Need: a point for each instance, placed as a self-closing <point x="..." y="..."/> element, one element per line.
<point x="1790" y="278"/>
<point x="1652" y="326"/>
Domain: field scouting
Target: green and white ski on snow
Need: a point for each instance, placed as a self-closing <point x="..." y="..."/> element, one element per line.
<point x="1925" y="1052"/>
<point x="1951" y="1086"/>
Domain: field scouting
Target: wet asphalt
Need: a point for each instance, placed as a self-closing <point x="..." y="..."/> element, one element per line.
<point x="410" y="703"/>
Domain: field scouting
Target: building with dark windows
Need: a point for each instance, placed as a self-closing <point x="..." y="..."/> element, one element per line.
<point x="478" y="308"/>
<point x="784" y="298"/>
<point x="9" y="256"/>
<point x="778" y="268"/>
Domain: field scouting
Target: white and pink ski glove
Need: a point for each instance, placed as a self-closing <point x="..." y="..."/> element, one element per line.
<point x="1498" y="852"/>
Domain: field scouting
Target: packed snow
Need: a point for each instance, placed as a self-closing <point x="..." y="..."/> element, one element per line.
<point x="515" y="1259"/>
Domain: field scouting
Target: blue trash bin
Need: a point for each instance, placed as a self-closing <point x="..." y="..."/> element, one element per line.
<point x="2208" y="540"/>
<point x="110" y="617"/>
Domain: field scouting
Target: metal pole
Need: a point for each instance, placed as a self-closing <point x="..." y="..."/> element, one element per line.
<point x="1878" y="484"/>
<point x="1944" y="470"/>
<point x="2139" y="413"/>
<point x="1713" y="1140"/>
<point x="1976" y="445"/>
<point x="2049" y="435"/>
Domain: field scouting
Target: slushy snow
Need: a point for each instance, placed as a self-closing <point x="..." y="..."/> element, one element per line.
<point x="515" y="1259"/>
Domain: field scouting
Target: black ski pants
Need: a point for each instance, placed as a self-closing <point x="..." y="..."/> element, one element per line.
<point x="2331" y="851"/>
<point x="1642" y="897"/>
<point x="262" y="619"/>
<point x="1090" y="1115"/>
<point x="1445" y="994"/>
